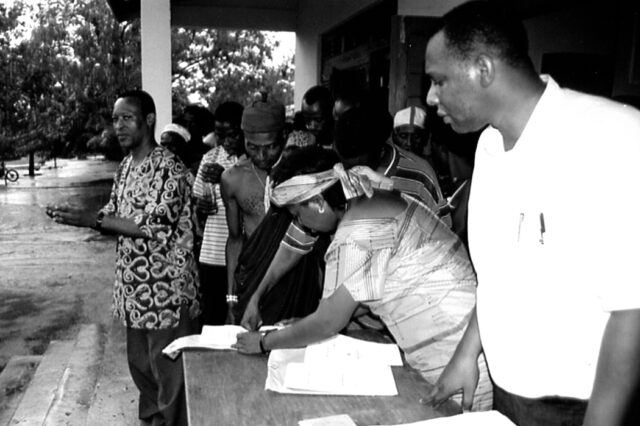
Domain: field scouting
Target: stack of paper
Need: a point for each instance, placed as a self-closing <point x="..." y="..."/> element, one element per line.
<point x="337" y="366"/>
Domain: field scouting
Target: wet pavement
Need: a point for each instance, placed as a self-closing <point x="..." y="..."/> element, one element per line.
<point x="52" y="277"/>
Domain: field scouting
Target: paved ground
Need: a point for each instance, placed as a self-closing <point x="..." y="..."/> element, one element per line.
<point x="52" y="277"/>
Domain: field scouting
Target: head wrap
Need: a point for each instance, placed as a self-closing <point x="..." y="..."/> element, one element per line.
<point x="300" y="139"/>
<point x="355" y="182"/>
<point x="413" y="115"/>
<point x="263" y="117"/>
<point x="176" y="128"/>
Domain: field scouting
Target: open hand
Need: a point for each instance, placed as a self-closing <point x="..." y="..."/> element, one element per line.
<point x="68" y="214"/>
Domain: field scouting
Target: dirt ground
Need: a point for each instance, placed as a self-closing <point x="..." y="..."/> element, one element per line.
<point x="52" y="277"/>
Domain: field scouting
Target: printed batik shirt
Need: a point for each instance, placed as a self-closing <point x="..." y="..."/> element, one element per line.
<point x="155" y="275"/>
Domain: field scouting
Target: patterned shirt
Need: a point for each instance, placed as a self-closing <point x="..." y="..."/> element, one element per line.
<point x="155" y="275"/>
<point x="208" y="195"/>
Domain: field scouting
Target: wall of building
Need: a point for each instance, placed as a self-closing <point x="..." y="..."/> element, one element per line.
<point x="316" y="17"/>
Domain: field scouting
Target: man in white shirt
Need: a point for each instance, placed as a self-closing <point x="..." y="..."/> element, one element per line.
<point x="558" y="305"/>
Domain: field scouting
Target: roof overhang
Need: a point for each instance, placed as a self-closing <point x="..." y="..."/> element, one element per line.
<point x="272" y="15"/>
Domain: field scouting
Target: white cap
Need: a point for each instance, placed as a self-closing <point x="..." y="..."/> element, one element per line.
<point x="412" y="115"/>
<point x="176" y="128"/>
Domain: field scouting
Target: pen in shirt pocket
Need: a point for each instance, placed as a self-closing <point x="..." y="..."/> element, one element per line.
<point x="520" y="225"/>
<point x="543" y="228"/>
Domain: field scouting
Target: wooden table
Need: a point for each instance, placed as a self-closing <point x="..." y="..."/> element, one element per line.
<point x="227" y="388"/>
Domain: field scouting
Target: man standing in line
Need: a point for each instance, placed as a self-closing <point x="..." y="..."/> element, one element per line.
<point x="558" y="303"/>
<point x="244" y="186"/>
<point x="317" y="105"/>
<point x="211" y="213"/>
<point x="156" y="286"/>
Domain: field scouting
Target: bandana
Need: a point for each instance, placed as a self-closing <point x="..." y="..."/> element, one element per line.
<point x="176" y="128"/>
<point x="412" y="116"/>
<point x="357" y="181"/>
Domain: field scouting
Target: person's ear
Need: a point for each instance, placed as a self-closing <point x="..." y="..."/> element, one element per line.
<point x="151" y="119"/>
<point x="485" y="67"/>
<point x="318" y="203"/>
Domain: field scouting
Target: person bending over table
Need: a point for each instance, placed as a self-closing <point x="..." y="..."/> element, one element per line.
<point x="389" y="253"/>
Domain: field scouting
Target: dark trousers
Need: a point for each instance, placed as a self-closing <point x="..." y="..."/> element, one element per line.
<point x="159" y="379"/>
<point x="213" y="287"/>
<point x="547" y="411"/>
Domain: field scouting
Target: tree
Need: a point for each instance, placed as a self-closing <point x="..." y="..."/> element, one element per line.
<point x="63" y="74"/>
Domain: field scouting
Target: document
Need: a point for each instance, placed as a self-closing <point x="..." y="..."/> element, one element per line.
<point x="338" y="420"/>
<point x="219" y="337"/>
<point x="341" y="348"/>
<point x="481" y="418"/>
<point x="340" y="365"/>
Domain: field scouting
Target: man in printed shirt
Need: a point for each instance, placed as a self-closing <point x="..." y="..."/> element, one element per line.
<point x="211" y="212"/>
<point x="156" y="286"/>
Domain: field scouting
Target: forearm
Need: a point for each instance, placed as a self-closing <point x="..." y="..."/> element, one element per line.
<point x="283" y="261"/>
<point x="233" y="249"/>
<point x="618" y="371"/>
<point x="470" y="344"/>
<point x="121" y="226"/>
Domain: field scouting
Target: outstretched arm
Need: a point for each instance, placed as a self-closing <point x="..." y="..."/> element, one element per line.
<point x="75" y="216"/>
<point x="618" y="373"/>
<point x="283" y="261"/>
<point x="332" y="315"/>
<point x="461" y="374"/>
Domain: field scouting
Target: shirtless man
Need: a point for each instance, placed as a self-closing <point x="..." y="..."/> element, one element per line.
<point x="243" y="186"/>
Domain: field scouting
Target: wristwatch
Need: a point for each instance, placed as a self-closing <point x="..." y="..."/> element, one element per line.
<point x="98" y="225"/>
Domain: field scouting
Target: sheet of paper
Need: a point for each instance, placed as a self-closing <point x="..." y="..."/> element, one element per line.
<point x="219" y="337"/>
<point x="341" y="378"/>
<point x="338" y="420"/>
<point x="481" y="418"/>
<point x="342" y="348"/>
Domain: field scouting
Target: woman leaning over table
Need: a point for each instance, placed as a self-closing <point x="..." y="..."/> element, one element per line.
<point x="389" y="253"/>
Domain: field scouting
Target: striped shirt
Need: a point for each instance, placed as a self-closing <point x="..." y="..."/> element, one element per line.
<point x="208" y="194"/>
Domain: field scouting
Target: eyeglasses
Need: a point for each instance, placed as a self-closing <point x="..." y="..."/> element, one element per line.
<point x="230" y="134"/>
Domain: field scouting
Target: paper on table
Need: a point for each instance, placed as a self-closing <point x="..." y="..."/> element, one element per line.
<point x="341" y="348"/>
<point x="212" y="337"/>
<point x="331" y="356"/>
<point x="341" y="378"/>
<point x="481" y="418"/>
<point x="338" y="420"/>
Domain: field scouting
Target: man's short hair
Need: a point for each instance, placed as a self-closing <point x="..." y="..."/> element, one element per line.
<point x="481" y="23"/>
<point x="319" y="94"/>
<point x="229" y="112"/>
<point x="142" y="99"/>
<point x="362" y="131"/>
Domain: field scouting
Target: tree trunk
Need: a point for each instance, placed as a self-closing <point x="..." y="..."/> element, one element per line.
<point x="32" y="165"/>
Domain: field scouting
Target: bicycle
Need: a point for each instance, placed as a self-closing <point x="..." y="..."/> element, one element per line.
<point x="10" y="175"/>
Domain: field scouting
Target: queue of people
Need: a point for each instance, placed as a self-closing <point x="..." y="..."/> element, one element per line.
<point x="525" y="307"/>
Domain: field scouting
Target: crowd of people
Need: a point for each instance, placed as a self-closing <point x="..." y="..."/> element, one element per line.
<point x="342" y="213"/>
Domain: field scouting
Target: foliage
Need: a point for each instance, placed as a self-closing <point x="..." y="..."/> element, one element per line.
<point x="64" y="61"/>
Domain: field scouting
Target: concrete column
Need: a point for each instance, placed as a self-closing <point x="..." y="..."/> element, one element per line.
<point x="155" y="27"/>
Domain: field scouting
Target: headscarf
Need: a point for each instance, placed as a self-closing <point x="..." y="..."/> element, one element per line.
<point x="180" y="130"/>
<point x="357" y="181"/>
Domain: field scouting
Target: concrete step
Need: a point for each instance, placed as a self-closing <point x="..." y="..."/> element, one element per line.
<point x="14" y="378"/>
<point x="115" y="401"/>
<point x="43" y="389"/>
<point x="79" y="379"/>
<point x="63" y="384"/>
